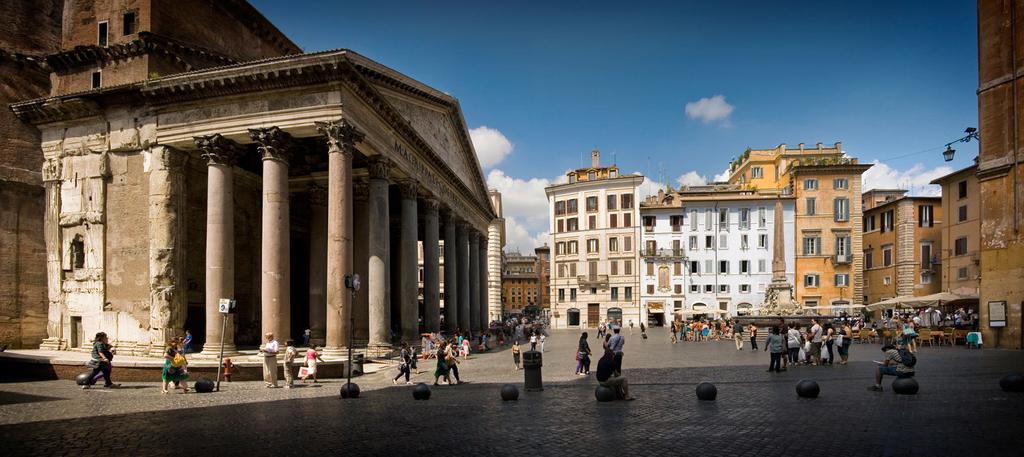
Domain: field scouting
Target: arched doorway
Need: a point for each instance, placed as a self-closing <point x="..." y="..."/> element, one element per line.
<point x="744" y="309"/>
<point x="700" y="311"/>
<point x="615" y="315"/>
<point x="573" y="317"/>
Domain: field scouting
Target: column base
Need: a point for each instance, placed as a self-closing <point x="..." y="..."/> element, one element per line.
<point x="212" y="351"/>
<point x="339" y="351"/>
<point x="53" y="344"/>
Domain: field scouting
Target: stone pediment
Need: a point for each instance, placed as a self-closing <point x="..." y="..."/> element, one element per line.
<point x="435" y="125"/>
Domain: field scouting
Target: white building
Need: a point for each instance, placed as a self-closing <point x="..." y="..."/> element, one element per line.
<point x="707" y="252"/>
<point x="594" y="230"/>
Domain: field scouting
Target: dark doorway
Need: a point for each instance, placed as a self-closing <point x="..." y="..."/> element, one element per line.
<point x="299" y="285"/>
<point x="76" y="331"/>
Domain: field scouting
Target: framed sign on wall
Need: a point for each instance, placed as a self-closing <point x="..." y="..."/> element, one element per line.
<point x="997" y="314"/>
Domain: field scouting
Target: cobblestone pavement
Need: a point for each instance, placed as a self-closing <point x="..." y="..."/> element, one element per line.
<point x="959" y="410"/>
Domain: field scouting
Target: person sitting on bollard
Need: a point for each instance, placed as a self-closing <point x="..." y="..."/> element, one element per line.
<point x="609" y="374"/>
<point x="898" y="362"/>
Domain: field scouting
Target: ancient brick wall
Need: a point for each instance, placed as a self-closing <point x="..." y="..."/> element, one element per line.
<point x="28" y="30"/>
<point x="221" y="28"/>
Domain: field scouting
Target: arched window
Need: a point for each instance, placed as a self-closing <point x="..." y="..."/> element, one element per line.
<point x="615" y="314"/>
<point x="573" y="315"/>
<point x="744" y="309"/>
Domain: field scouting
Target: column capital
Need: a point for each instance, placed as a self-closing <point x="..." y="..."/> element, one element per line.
<point x="52" y="169"/>
<point x="217" y="150"/>
<point x="379" y="168"/>
<point x="317" y="194"/>
<point x="431" y="205"/>
<point x="342" y="136"/>
<point x="273" y="143"/>
<point x="409" y="188"/>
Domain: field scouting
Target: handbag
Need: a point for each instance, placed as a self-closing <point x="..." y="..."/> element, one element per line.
<point x="178" y="361"/>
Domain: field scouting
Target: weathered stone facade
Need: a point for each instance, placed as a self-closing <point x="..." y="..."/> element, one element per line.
<point x="1001" y="167"/>
<point x="165" y="196"/>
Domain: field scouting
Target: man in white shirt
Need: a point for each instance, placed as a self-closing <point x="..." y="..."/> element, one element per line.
<point x="269" y="350"/>
<point x="617" y="341"/>
<point x="816" y="341"/>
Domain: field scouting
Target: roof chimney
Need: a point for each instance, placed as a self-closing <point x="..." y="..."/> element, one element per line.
<point x="595" y="158"/>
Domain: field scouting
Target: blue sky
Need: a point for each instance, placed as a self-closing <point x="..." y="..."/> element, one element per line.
<point x="552" y="80"/>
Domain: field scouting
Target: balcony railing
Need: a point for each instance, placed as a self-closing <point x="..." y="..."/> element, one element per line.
<point x="592" y="280"/>
<point x="664" y="253"/>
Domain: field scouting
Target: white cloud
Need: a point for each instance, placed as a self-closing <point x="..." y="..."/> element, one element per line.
<point x="519" y="238"/>
<point x="723" y="176"/>
<point x="491" y="145"/>
<point x="649" y="187"/>
<point x="525" y="207"/>
<point x="708" y="110"/>
<point x="915" y="179"/>
<point x="691" y="178"/>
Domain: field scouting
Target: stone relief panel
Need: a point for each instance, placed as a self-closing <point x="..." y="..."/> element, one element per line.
<point x="127" y="250"/>
<point x="433" y="125"/>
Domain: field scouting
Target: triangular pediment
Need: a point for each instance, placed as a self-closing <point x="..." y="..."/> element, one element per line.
<point x="435" y="125"/>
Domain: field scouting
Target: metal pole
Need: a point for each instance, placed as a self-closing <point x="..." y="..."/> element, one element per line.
<point x="220" y="358"/>
<point x="352" y="324"/>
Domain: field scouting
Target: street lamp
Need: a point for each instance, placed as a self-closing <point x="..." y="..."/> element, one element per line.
<point x="971" y="132"/>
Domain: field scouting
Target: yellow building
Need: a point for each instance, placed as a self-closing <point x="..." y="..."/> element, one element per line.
<point x="827" y="187"/>
<point x="961" y="232"/>
<point x="902" y="244"/>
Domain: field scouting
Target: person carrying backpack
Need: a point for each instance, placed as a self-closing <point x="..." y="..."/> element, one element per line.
<point x="898" y="362"/>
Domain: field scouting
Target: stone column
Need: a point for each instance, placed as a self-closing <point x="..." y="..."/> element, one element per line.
<point x="361" y="250"/>
<point x="463" y="265"/>
<point x="317" y="264"/>
<point x="220" y="154"/>
<point x="431" y="267"/>
<point x="275" y="286"/>
<point x="409" y="247"/>
<point x="342" y="138"/>
<point x="485" y="318"/>
<point x="474" y="280"/>
<point x="451" y="274"/>
<point x="379" y="255"/>
<point x="55" y="339"/>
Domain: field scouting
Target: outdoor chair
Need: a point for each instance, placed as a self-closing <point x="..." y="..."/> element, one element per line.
<point x="925" y="335"/>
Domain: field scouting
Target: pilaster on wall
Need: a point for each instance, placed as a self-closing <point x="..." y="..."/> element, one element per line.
<point x="905" y="223"/>
<point x="857" y="241"/>
<point x="166" y="246"/>
<point x="494" y="249"/>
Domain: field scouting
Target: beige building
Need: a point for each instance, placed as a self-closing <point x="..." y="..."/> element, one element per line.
<point x="594" y="230"/>
<point x="178" y="175"/>
<point x="961" y="232"/>
<point x="902" y="245"/>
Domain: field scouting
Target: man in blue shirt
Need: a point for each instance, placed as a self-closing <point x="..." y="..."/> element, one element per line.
<point x="616" y="342"/>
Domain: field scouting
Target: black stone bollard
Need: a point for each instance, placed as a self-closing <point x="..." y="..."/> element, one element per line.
<point x="905" y="386"/>
<point x="350" y="390"/>
<point x="509" y="392"/>
<point x="204" y="386"/>
<point x="604" y="394"/>
<point x="1013" y="382"/>
<point x="83" y="379"/>
<point x="807" y="388"/>
<point x="707" y="391"/>
<point x="421" y="392"/>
